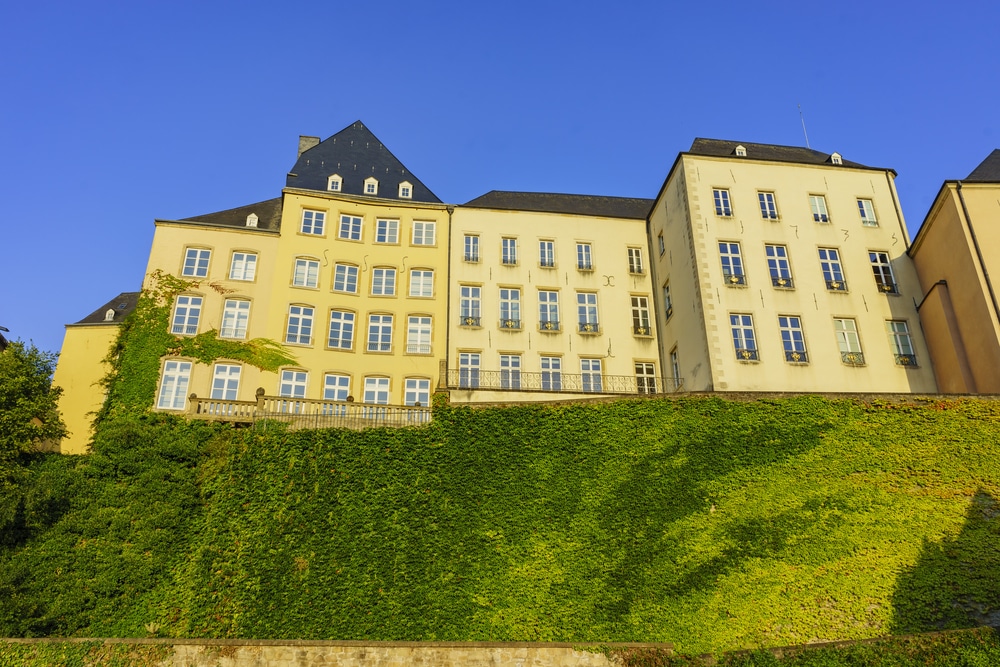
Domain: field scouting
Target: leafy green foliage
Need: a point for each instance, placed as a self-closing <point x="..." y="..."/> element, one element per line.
<point x="27" y="400"/>
<point x="83" y="654"/>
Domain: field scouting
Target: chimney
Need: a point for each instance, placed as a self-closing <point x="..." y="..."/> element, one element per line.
<point x="305" y="143"/>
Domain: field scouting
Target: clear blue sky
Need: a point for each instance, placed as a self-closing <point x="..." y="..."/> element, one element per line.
<point x="116" y="113"/>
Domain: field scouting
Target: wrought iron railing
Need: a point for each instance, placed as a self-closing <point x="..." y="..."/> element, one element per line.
<point x="735" y="278"/>
<point x="510" y="324"/>
<point x="548" y="325"/>
<point x="642" y="330"/>
<point x="589" y="327"/>
<point x="747" y="354"/>
<point x="307" y="413"/>
<point x="470" y="321"/>
<point x="556" y="381"/>
<point x="796" y="356"/>
<point x="906" y="359"/>
<point x="887" y="287"/>
<point x="782" y="282"/>
<point x="836" y="285"/>
<point x="853" y="358"/>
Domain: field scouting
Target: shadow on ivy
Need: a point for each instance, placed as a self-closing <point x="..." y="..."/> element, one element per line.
<point x="954" y="583"/>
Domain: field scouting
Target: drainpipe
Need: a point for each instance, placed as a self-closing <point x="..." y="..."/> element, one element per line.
<point x="447" y="306"/>
<point x="979" y="253"/>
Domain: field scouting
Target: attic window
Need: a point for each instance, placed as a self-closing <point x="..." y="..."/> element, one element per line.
<point x="836" y="159"/>
<point x="109" y="316"/>
<point x="252" y="220"/>
<point x="371" y="186"/>
<point x="405" y="190"/>
<point x="741" y="151"/>
<point x="335" y="183"/>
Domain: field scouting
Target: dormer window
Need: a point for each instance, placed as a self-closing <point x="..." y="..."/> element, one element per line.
<point x="405" y="190"/>
<point x="109" y="316"/>
<point x="836" y="159"/>
<point x="335" y="183"/>
<point x="252" y="220"/>
<point x="371" y="186"/>
<point x="741" y="151"/>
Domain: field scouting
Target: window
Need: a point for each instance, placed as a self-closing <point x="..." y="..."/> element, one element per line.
<point x="768" y="209"/>
<point x="867" y="211"/>
<point x="244" y="266"/>
<point x="882" y="268"/>
<point x="659" y="241"/>
<point x="196" y="262"/>
<point x="471" y="248"/>
<point x="635" y="260"/>
<point x="306" y="273"/>
<point x="792" y="340"/>
<point x="548" y="310"/>
<point x="371" y="186"/>
<point x="417" y="392"/>
<point x="469" y="303"/>
<point x="423" y="233"/>
<point x="174" y="385"/>
<point x="510" y="308"/>
<point x="510" y="371"/>
<point x="668" y="304"/>
<point x="418" y="335"/>
<point x="833" y="274"/>
<point x="380" y="333"/>
<point x="336" y="388"/>
<point x="345" y="278"/>
<point x="590" y="371"/>
<point x="584" y="258"/>
<point x="350" y="228"/>
<point x="300" y="322"/>
<point x="551" y="373"/>
<point x="335" y="183"/>
<point x="422" y="282"/>
<point x="186" y="313"/>
<point x="675" y="367"/>
<point x="732" y="264"/>
<point x="835" y="158"/>
<point x="468" y="370"/>
<point x="901" y="343"/>
<point x="640" y="316"/>
<point x="744" y="341"/>
<point x="777" y="265"/>
<point x="722" y="206"/>
<point x="546" y="254"/>
<point x="405" y="190"/>
<point x="292" y="384"/>
<point x="848" y="342"/>
<point x="341" y="330"/>
<point x="387" y="231"/>
<point x="226" y="382"/>
<point x="586" y="311"/>
<point x="312" y="222"/>
<point x="740" y="151"/>
<point x="235" y="319"/>
<point x="509" y="251"/>
<point x="383" y="282"/>
<point x="376" y="390"/>
<point x="645" y="377"/>
<point x="818" y="205"/>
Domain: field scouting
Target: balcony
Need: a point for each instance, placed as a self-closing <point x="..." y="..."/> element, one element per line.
<point x="747" y="354"/>
<point x="556" y="381"/>
<point x="906" y="360"/>
<point x="796" y="356"/>
<point x="589" y="327"/>
<point x="853" y="358"/>
<point x="782" y="283"/>
<point x="418" y="348"/>
<point x="551" y="326"/>
<point x="470" y="321"/>
<point x="642" y="330"/>
<point x="735" y="279"/>
<point x="836" y="285"/>
<point x="510" y="324"/>
<point x="887" y="287"/>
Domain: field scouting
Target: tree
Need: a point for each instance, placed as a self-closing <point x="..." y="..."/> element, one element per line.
<point x="28" y="413"/>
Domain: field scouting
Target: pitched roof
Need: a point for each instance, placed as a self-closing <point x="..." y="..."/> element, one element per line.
<point x="988" y="170"/>
<point x="354" y="154"/>
<point x="268" y="213"/>
<point x="771" y="152"/>
<point x="123" y="304"/>
<point x="608" y="207"/>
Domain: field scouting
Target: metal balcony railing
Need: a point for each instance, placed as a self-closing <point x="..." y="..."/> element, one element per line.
<point x="782" y="282"/>
<point x="853" y="358"/>
<point x="556" y="381"/>
<point x="510" y="324"/>
<point x="906" y="359"/>
<point x="836" y="285"/>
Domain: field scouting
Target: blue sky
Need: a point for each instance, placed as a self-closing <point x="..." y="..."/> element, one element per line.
<point x="117" y="113"/>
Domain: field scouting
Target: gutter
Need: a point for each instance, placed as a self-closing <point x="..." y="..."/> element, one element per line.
<point x="979" y="253"/>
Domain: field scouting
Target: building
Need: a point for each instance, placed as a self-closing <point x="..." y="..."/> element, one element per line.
<point x="784" y="269"/>
<point x="955" y="253"/>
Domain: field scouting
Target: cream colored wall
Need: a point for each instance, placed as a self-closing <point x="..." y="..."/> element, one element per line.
<point x="810" y="300"/>
<point x="79" y="371"/>
<point x="615" y="345"/>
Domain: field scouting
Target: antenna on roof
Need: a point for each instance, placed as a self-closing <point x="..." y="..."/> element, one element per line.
<point x="803" y="119"/>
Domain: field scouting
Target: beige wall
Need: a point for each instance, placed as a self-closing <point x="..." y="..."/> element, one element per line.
<point x="79" y="371"/>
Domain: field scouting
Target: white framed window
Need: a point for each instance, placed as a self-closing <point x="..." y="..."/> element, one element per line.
<point x="645" y="377"/>
<point x="510" y="308"/>
<point x="675" y="367"/>
<point x="635" y="261"/>
<point x="471" y="248"/>
<point x="341" y="330"/>
<point x="836" y="158"/>
<point x="371" y="186"/>
<point x="380" y="333"/>
<point x="508" y="248"/>
<point x="901" y="343"/>
<point x="668" y="304"/>
<point x="196" y="262"/>
<point x="833" y="273"/>
<point x="768" y="207"/>
<point x="376" y="390"/>
<point x="848" y="341"/>
<point x="243" y="266"/>
<point x="744" y="340"/>
<point x="732" y="264"/>
<point x="350" y="228"/>
<point x="306" y="273"/>
<point x="417" y="391"/>
<point x="226" y="381"/>
<point x="586" y="312"/>
<point x="387" y="231"/>
<point x="313" y="222"/>
<point x="551" y="373"/>
<point x="300" y="324"/>
<point x="548" y="310"/>
<point x="546" y="254"/>
<point x="424" y="232"/>
<point x="418" y="334"/>
<point x="584" y="257"/>
<point x="336" y="387"/>
<point x="383" y="281"/>
<point x="590" y="371"/>
<point x="723" y="208"/>
<point x="187" y="311"/>
<point x="793" y="341"/>
<point x="421" y="282"/>
<point x="335" y="183"/>
<point x="468" y="370"/>
<point x="405" y="190"/>
<point x="882" y="269"/>
<point x="867" y="211"/>
<point x="778" y="267"/>
<point x="293" y="384"/>
<point x="174" y="385"/>
<point x="510" y="371"/>
<point x="740" y="151"/>
<point x="235" y="319"/>
<point x="818" y="205"/>
<point x="470" y="302"/>
<point x="659" y="242"/>
<point x="345" y="278"/>
<point x="640" y="316"/>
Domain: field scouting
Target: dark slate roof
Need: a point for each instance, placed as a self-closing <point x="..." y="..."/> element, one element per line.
<point x="771" y="152"/>
<point x="608" y="207"/>
<point x="355" y="153"/>
<point x="123" y="304"/>
<point x="988" y="170"/>
<point x="268" y="214"/>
